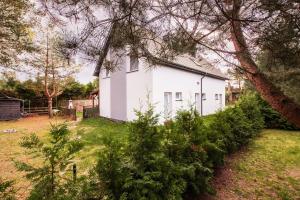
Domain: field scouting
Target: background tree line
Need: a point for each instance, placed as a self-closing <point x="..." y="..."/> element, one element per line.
<point x="33" y="89"/>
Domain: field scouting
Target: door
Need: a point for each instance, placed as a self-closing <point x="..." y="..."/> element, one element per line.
<point x="168" y="105"/>
<point x="220" y="101"/>
<point x="197" y="102"/>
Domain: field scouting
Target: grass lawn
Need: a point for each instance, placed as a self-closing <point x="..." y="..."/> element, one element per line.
<point x="92" y="132"/>
<point x="10" y="149"/>
<point x="268" y="169"/>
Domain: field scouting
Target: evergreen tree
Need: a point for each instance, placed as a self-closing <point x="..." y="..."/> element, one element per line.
<point x="51" y="179"/>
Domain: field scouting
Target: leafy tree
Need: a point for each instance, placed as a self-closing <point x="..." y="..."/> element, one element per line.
<point x="209" y="24"/>
<point x="51" y="179"/>
<point x="14" y="31"/>
<point x="73" y="90"/>
<point x="52" y="64"/>
<point x="24" y="91"/>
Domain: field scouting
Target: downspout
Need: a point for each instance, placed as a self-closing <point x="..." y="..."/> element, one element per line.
<point x="201" y="100"/>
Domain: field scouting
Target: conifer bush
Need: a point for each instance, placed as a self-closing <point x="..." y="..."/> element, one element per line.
<point x="251" y="108"/>
<point x="52" y="179"/>
<point x="140" y="169"/>
<point x="273" y="119"/>
<point x="236" y="126"/>
<point x="232" y="127"/>
<point x="178" y="158"/>
<point x="189" y="148"/>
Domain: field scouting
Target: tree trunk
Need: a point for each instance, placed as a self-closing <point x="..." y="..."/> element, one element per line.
<point x="50" y="111"/>
<point x="52" y="180"/>
<point x="273" y="95"/>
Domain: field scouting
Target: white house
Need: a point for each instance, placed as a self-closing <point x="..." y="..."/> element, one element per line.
<point x="169" y="86"/>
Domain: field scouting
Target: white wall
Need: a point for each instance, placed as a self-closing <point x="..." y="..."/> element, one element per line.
<point x="150" y="84"/>
<point x="166" y="79"/>
<point x="123" y="91"/>
<point x="118" y="90"/>
<point x="212" y="86"/>
<point x="139" y="88"/>
<point x="105" y="97"/>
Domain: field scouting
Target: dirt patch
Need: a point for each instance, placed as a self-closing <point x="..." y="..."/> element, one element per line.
<point x="225" y="180"/>
<point x="295" y="173"/>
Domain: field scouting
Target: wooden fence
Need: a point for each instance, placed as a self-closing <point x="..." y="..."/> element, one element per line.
<point x="70" y="113"/>
<point x="62" y="111"/>
<point x="37" y="110"/>
<point x="90" y="112"/>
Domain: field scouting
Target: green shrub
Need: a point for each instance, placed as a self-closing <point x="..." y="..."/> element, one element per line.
<point x="272" y="118"/>
<point x="141" y="170"/>
<point x="231" y="129"/>
<point x="7" y="191"/>
<point x="110" y="170"/>
<point x="251" y="108"/>
<point x="175" y="159"/>
<point x="235" y="126"/>
<point x="51" y="179"/>
<point x="189" y="148"/>
<point x="154" y="175"/>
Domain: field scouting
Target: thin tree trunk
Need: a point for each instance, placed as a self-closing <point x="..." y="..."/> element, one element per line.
<point x="52" y="179"/>
<point x="50" y="111"/>
<point x="273" y="95"/>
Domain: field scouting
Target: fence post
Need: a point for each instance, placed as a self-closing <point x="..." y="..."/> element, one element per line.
<point x="74" y="172"/>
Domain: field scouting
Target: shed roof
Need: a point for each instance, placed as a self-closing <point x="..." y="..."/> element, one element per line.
<point x="3" y="97"/>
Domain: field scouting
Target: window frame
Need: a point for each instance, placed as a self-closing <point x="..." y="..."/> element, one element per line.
<point x="168" y="113"/>
<point x="203" y="96"/>
<point x="217" y="96"/>
<point x="180" y="96"/>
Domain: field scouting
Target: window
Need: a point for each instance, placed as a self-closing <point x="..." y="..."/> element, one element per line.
<point x="203" y="96"/>
<point x="220" y="101"/>
<point x="168" y="105"/>
<point x="178" y="96"/>
<point x="216" y="97"/>
<point x="197" y="102"/>
<point x="134" y="63"/>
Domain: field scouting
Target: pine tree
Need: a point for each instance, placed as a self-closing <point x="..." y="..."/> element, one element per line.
<point x="52" y="178"/>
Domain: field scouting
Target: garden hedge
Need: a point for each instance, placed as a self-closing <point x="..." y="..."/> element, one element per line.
<point x="178" y="158"/>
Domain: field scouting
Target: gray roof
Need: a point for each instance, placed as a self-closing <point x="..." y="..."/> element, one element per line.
<point x="186" y="63"/>
<point x="7" y="98"/>
<point x="182" y="62"/>
<point x="191" y="64"/>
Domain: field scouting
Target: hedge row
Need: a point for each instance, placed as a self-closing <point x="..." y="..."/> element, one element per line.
<point x="178" y="158"/>
<point x="272" y="118"/>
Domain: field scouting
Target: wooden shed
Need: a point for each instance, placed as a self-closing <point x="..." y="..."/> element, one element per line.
<point x="10" y="108"/>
